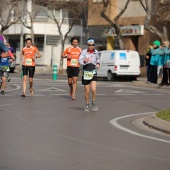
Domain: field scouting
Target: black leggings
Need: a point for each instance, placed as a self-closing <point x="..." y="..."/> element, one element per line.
<point x="30" y="69"/>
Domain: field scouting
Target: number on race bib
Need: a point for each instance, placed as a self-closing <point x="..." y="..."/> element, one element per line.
<point x="28" y="61"/>
<point x="74" y="62"/>
<point x="88" y="75"/>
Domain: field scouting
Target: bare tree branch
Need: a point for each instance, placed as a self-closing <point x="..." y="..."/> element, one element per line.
<point x="74" y="10"/>
<point x="114" y="23"/>
<point x="6" y="21"/>
<point x="163" y="35"/>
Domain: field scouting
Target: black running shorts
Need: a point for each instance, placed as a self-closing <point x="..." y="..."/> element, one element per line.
<point x="72" y="72"/>
<point x="28" y="69"/>
<point x="87" y="82"/>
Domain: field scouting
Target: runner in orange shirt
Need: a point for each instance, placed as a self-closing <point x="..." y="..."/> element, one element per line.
<point x="29" y="54"/>
<point x="72" y="54"/>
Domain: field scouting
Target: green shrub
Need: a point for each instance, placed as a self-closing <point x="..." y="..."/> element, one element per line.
<point x="164" y="114"/>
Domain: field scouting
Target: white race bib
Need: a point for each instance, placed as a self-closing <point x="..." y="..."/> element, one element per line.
<point x="28" y="61"/>
<point x="88" y="75"/>
<point x="74" y="62"/>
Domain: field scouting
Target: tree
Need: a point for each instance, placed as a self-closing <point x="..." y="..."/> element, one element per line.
<point x="114" y="23"/>
<point x="32" y="8"/>
<point x="72" y="9"/>
<point x="161" y="13"/>
<point x="11" y="14"/>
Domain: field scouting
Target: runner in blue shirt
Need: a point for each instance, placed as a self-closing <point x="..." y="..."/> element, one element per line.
<point x="3" y="55"/>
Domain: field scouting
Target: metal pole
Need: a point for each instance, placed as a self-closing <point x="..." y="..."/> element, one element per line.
<point x="21" y="39"/>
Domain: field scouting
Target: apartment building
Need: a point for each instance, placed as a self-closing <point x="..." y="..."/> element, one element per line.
<point x="132" y="25"/>
<point x="46" y="33"/>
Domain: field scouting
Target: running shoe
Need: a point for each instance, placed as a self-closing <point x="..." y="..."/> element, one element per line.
<point x="94" y="107"/>
<point x="2" y="92"/>
<point x="87" y="109"/>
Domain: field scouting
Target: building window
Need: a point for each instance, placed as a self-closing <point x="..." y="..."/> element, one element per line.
<point x="39" y="42"/>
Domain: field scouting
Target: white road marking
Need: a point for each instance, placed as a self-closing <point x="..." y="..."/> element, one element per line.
<point x="4" y="105"/>
<point x="128" y="91"/>
<point x="153" y="94"/>
<point x="17" y="88"/>
<point x="60" y="95"/>
<point x="117" y="125"/>
<point x="125" y="94"/>
<point x="51" y="89"/>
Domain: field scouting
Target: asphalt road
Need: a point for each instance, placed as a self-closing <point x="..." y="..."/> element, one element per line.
<point x="49" y="131"/>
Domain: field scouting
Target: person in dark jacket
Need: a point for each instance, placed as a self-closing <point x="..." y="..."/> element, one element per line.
<point x="147" y="61"/>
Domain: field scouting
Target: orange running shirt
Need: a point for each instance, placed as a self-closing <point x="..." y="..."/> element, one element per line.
<point x="29" y="55"/>
<point x="74" y="52"/>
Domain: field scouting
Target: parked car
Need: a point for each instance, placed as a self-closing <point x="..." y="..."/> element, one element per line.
<point x="118" y="63"/>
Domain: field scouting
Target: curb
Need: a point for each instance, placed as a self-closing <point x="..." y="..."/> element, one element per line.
<point x="156" y="123"/>
<point x="156" y="86"/>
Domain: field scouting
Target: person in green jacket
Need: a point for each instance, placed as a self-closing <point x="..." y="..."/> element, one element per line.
<point x="166" y="67"/>
<point x="157" y="59"/>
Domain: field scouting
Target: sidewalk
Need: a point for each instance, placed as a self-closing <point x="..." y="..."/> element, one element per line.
<point x="152" y="120"/>
<point x="158" y="124"/>
<point x="141" y="81"/>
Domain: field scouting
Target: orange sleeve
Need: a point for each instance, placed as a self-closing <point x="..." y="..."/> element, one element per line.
<point x="23" y="51"/>
<point x="65" y="52"/>
<point x="36" y="49"/>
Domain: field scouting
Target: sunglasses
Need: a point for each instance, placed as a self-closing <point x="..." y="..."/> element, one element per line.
<point x="90" y="44"/>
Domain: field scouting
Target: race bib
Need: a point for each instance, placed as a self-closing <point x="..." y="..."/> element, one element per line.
<point x="74" y="62"/>
<point x="88" y="75"/>
<point x="28" y="61"/>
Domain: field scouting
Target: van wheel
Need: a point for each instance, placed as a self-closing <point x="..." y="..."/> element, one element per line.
<point x="133" y="78"/>
<point x="109" y="76"/>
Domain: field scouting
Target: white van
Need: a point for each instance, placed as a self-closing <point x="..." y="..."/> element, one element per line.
<point x="117" y="63"/>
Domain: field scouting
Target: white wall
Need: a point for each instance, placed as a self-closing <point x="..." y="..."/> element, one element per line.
<point x="134" y="8"/>
<point x="43" y="28"/>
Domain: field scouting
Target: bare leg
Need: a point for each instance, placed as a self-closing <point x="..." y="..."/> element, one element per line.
<point x="24" y="84"/>
<point x="31" y="86"/>
<point x="93" y="86"/>
<point x="87" y="93"/>
<point x="3" y="84"/>
<point x="74" y="87"/>
<point x="70" y="85"/>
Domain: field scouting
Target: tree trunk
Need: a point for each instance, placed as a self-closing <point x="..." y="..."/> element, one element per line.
<point x="61" y="59"/>
<point x="32" y="33"/>
<point x="121" y="43"/>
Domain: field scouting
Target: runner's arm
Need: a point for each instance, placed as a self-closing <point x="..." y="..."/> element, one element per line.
<point x="4" y="50"/>
<point x="97" y="58"/>
<point x="39" y="55"/>
<point x="65" y="53"/>
<point x="82" y="59"/>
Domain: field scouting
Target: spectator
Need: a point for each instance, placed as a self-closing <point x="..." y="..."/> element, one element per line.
<point x="166" y="67"/>
<point x="147" y="59"/>
<point x="157" y="59"/>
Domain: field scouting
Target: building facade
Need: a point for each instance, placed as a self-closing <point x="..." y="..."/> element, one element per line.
<point x="46" y="35"/>
<point x="132" y="21"/>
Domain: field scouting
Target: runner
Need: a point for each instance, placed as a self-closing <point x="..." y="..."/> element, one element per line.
<point x="72" y="54"/>
<point x="11" y="49"/>
<point x="28" y="55"/>
<point x="3" y="55"/>
<point x="90" y="60"/>
<point x="12" y="57"/>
